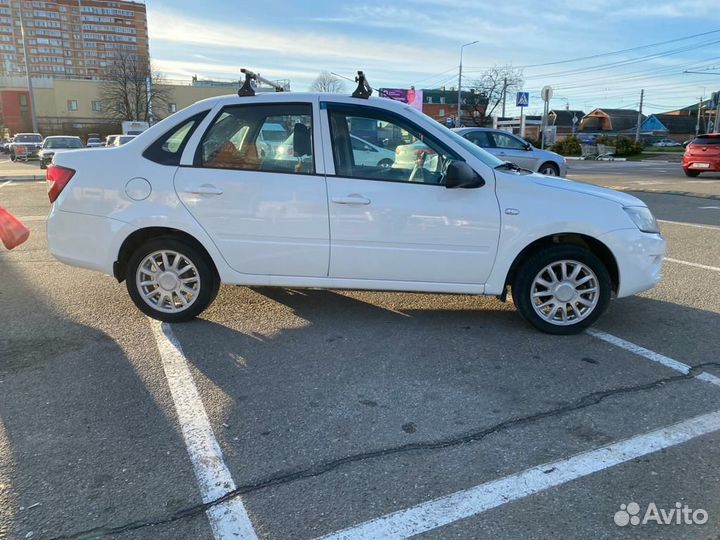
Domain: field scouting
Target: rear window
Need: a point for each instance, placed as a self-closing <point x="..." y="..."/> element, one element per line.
<point x="706" y="140"/>
<point x="168" y="149"/>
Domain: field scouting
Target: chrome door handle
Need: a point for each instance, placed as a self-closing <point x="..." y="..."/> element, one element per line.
<point x="205" y="189"/>
<point x="351" y="199"/>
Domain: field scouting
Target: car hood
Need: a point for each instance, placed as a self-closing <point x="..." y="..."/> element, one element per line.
<point x="556" y="182"/>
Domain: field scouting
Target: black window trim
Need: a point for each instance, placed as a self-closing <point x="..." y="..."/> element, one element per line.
<point x="199" y="116"/>
<point x="197" y="158"/>
<point x="331" y="106"/>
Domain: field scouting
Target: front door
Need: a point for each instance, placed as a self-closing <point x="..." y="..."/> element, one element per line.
<point x="510" y="148"/>
<point x="265" y="211"/>
<point x="400" y="223"/>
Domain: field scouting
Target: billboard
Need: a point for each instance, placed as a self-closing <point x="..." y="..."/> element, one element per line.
<point x="412" y="97"/>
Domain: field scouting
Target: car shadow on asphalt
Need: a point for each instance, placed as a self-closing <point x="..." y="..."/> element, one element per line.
<point x="83" y="441"/>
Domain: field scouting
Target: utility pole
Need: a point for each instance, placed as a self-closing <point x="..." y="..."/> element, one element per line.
<point x="459" y="105"/>
<point x="697" y="126"/>
<point x="639" y="120"/>
<point x="27" y="72"/>
<point x="504" y="95"/>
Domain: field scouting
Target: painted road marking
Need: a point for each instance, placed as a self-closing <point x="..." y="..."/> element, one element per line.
<point x="6" y="183"/>
<point x="651" y="355"/>
<point x="695" y="265"/>
<point x="32" y="218"/>
<point x="469" y="502"/>
<point x="696" y="225"/>
<point x="228" y="519"/>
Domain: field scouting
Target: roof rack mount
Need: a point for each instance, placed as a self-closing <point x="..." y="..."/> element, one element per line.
<point x="364" y="90"/>
<point x="247" y="90"/>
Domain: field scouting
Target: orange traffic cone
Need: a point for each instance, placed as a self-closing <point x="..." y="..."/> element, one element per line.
<point x="12" y="231"/>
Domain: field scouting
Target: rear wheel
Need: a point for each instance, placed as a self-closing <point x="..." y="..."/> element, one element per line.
<point x="385" y="163"/>
<point x="170" y="280"/>
<point x="562" y="289"/>
<point x="549" y="169"/>
<point x="691" y="174"/>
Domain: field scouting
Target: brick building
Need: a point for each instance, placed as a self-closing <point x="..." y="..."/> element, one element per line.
<point x="70" y="38"/>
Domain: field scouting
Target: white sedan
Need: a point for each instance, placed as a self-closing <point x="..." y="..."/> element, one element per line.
<point x="191" y="203"/>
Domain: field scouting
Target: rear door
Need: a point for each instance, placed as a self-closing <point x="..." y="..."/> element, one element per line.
<point x="267" y="213"/>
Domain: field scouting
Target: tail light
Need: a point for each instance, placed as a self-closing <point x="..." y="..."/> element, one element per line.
<point x="57" y="177"/>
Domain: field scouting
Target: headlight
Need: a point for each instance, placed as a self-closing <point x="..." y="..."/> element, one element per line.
<point x="643" y="218"/>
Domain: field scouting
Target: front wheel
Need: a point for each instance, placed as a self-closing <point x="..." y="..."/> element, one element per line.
<point x="170" y="280"/>
<point x="549" y="169"/>
<point x="562" y="289"/>
<point x="385" y="163"/>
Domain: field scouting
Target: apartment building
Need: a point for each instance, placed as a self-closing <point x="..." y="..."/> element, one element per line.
<point x="69" y="39"/>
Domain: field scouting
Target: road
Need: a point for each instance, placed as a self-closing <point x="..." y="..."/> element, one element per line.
<point x="332" y="409"/>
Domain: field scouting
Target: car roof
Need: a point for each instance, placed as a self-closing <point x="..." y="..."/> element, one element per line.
<point x="62" y="137"/>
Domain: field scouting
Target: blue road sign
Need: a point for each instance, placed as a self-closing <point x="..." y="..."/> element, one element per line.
<point x="522" y="99"/>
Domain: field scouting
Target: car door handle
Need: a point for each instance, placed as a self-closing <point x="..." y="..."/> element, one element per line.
<point x="351" y="199"/>
<point x="205" y="189"/>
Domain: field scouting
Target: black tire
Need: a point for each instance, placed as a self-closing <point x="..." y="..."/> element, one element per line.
<point x="691" y="174"/>
<point x="42" y="165"/>
<point x="12" y="157"/>
<point x="209" y="280"/>
<point x="549" y="165"/>
<point x="530" y="268"/>
<point x="387" y="162"/>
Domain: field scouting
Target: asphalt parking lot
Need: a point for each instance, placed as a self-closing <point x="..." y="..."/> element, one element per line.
<point x="307" y="413"/>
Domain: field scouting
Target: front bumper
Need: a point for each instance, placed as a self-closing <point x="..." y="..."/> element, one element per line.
<point x="639" y="257"/>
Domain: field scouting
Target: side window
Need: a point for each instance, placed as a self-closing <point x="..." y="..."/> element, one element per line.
<point x="503" y="140"/>
<point x="168" y="149"/>
<point x="271" y="138"/>
<point x="403" y="153"/>
<point x="480" y="138"/>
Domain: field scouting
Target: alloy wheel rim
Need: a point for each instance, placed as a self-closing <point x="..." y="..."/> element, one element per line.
<point x="565" y="292"/>
<point x="168" y="281"/>
<point x="549" y="171"/>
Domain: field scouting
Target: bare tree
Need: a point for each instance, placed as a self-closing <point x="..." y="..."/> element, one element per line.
<point x="327" y="82"/>
<point x="124" y="91"/>
<point x="489" y="90"/>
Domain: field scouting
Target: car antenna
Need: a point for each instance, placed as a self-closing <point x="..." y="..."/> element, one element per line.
<point x="364" y="90"/>
<point x="247" y="90"/>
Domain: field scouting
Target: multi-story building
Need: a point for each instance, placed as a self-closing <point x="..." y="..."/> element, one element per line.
<point x="70" y="39"/>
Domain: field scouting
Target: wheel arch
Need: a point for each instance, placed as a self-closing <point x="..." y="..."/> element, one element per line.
<point x="140" y="236"/>
<point x="593" y="245"/>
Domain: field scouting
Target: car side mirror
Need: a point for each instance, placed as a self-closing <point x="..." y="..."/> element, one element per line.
<point x="461" y="175"/>
<point x="528" y="146"/>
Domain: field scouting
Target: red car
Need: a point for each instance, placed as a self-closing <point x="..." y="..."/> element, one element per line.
<point x="702" y="154"/>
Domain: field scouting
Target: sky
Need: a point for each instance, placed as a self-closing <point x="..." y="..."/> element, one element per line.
<point x="417" y="43"/>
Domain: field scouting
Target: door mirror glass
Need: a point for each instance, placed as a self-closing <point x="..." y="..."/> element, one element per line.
<point x="461" y="175"/>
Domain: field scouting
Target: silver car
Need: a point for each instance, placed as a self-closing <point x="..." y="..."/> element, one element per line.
<point x="509" y="147"/>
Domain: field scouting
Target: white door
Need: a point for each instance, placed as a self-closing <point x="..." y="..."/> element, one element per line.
<point x="400" y="223"/>
<point x="266" y="215"/>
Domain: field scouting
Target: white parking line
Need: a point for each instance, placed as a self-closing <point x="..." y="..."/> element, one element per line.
<point x="696" y="265"/>
<point x="469" y="502"/>
<point x="6" y="183"/>
<point x="651" y="355"/>
<point x="696" y="225"/>
<point x="229" y="519"/>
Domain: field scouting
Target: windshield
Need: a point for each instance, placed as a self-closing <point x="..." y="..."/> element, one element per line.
<point x="28" y="138"/>
<point x="65" y="142"/>
<point x="486" y="157"/>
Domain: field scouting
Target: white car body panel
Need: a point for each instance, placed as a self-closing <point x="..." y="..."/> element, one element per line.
<point x="285" y="230"/>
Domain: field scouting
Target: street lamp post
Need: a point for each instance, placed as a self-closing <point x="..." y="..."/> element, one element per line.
<point x="459" y="106"/>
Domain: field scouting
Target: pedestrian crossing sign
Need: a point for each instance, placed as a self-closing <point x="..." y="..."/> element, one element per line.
<point x="523" y="99"/>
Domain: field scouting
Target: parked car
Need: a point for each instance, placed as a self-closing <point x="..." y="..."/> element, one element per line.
<point x="510" y="148"/>
<point x="57" y="144"/>
<point x="666" y="143"/>
<point x="94" y="142"/>
<point x="5" y="146"/>
<point x="702" y="154"/>
<point x="110" y="140"/>
<point x="123" y="139"/>
<point x="191" y="204"/>
<point x="25" y="146"/>
<point x="364" y="153"/>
